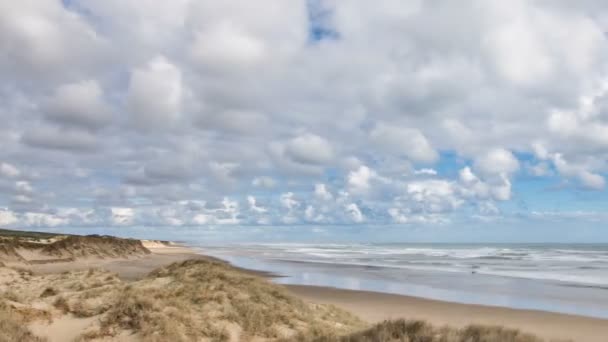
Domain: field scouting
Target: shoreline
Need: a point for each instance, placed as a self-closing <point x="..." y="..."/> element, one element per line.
<point x="375" y="307"/>
<point x="370" y="306"/>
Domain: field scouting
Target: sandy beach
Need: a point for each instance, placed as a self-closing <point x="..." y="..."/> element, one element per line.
<point x="375" y="307"/>
<point x="127" y="269"/>
<point x="372" y="307"/>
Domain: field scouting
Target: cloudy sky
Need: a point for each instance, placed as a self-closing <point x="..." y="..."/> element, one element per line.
<point x="327" y="118"/>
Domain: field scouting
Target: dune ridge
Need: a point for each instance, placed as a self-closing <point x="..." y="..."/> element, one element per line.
<point x="64" y="248"/>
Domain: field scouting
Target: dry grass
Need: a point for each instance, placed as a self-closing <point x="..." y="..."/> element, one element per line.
<point x="201" y="300"/>
<point x="94" y="246"/>
<point x="67" y="248"/>
<point x="419" y="331"/>
<point x="12" y="327"/>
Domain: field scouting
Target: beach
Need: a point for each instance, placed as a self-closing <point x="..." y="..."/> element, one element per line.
<point x="356" y="279"/>
<point x="376" y="307"/>
<point x="371" y="307"/>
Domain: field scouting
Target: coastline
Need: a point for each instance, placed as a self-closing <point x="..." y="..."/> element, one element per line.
<point x="375" y="307"/>
<point x="372" y="307"/>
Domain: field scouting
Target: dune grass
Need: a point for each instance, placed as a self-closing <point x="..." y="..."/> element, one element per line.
<point x="420" y="331"/>
<point x="27" y="234"/>
<point x="12" y="325"/>
<point x="202" y="300"/>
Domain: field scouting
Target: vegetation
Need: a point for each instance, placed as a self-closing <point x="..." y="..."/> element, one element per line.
<point x="26" y="234"/>
<point x="419" y="331"/>
<point x="66" y="248"/>
<point x="12" y="327"/>
<point x="199" y="299"/>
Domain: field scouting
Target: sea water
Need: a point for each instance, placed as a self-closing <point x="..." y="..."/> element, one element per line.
<point x="566" y="278"/>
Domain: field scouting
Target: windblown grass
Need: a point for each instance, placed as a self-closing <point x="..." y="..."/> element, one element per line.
<point x="202" y="300"/>
<point x="419" y="331"/>
<point x="199" y="299"/>
<point x="66" y="248"/>
<point x="12" y="326"/>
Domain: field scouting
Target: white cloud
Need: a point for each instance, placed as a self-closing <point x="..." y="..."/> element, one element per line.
<point x="354" y="212"/>
<point x="433" y="195"/>
<point x="404" y="141"/>
<point x="309" y="149"/>
<point x="587" y="178"/>
<point x="502" y="191"/>
<point x="359" y="180"/>
<point x="122" y="216"/>
<point x="155" y="92"/>
<point x="7" y="218"/>
<point x="44" y="220"/>
<point x="288" y="201"/>
<point x="227" y="46"/>
<point x="177" y="111"/>
<point x="79" y="104"/>
<point x="322" y="193"/>
<point x="253" y="205"/>
<point x="9" y="170"/>
<point x="426" y="172"/>
<point x="497" y="161"/>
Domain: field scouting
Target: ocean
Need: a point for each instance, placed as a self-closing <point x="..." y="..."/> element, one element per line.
<point x="565" y="278"/>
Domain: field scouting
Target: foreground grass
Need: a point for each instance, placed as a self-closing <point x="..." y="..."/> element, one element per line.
<point x="195" y="300"/>
<point x="201" y="300"/>
<point x="12" y="325"/>
<point x="419" y="331"/>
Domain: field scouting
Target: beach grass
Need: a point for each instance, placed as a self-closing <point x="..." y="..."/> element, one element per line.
<point x="419" y="331"/>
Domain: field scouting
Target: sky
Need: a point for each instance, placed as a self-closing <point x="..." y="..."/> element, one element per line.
<point x="324" y="120"/>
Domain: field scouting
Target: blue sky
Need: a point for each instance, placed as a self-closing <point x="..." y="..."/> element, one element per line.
<point x="316" y="120"/>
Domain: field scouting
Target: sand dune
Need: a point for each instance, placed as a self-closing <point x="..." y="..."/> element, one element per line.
<point x="24" y="250"/>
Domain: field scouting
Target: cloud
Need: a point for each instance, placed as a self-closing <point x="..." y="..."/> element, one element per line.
<point x="354" y="212"/>
<point x="359" y="180"/>
<point x="404" y="141"/>
<point x="309" y="149"/>
<point x="322" y="193"/>
<point x="79" y="104"/>
<point x="587" y="178"/>
<point x="253" y="205"/>
<point x="49" y="137"/>
<point x="122" y="216"/>
<point x="226" y="45"/>
<point x="264" y="182"/>
<point x="426" y="172"/>
<point x="7" y="218"/>
<point x="497" y="161"/>
<point x="201" y="113"/>
<point x="154" y="94"/>
<point x="9" y="170"/>
<point x="434" y="196"/>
